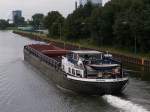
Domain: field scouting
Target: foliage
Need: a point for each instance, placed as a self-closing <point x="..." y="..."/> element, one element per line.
<point x="77" y="24"/>
<point x="123" y="24"/>
<point x="54" y="22"/>
<point x="3" y="24"/>
<point x="37" y="20"/>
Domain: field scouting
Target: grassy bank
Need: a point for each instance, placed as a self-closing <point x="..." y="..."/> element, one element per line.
<point x="87" y="44"/>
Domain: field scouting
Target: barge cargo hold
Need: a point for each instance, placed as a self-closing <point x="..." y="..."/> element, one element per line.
<point x="82" y="71"/>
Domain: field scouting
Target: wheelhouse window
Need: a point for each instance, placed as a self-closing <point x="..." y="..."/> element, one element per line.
<point x="70" y="55"/>
<point x="73" y="71"/>
<point x="75" y="56"/>
<point x="78" y="73"/>
<point x="69" y="70"/>
<point x="91" y="56"/>
<point x="63" y="67"/>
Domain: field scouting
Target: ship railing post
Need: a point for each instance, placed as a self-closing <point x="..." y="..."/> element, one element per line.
<point x="49" y="61"/>
<point x="122" y="74"/>
<point x="52" y="62"/>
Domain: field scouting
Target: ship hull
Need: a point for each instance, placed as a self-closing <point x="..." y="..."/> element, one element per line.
<point x="60" y="78"/>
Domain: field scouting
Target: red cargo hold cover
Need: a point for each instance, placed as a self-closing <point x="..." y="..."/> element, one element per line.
<point x="49" y="50"/>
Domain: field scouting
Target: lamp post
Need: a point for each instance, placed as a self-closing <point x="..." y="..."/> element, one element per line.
<point x="39" y="32"/>
<point x="135" y="45"/>
<point x="60" y="28"/>
<point x="93" y="34"/>
<point x="135" y="37"/>
<point x="39" y="29"/>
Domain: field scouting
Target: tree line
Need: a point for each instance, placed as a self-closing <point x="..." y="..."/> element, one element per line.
<point x="121" y="24"/>
<point x="18" y="21"/>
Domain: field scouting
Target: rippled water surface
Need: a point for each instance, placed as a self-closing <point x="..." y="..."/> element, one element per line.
<point x="25" y="89"/>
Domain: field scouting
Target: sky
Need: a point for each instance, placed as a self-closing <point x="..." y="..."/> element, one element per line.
<point x="30" y="7"/>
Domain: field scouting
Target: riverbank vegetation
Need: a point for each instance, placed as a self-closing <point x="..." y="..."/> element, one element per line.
<point x="4" y="24"/>
<point x="121" y="25"/>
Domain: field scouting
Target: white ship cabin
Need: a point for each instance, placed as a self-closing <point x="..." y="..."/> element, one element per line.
<point x="88" y="63"/>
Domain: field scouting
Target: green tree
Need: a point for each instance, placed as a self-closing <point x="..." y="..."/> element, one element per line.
<point x="145" y="40"/>
<point x="125" y="22"/>
<point x="96" y="26"/>
<point x="77" y="24"/>
<point x="3" y="24"/>
<point x="54" y="22"/>
<point x="128" y="26"/>
<point x="37" y="20"/>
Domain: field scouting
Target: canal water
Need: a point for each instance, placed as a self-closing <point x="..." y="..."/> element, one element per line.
<point x="25" y="89"/>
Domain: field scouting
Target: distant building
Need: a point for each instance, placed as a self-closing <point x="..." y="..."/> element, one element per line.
<point x="99" y="2"/>
<point x="83" y="2"/>
<point x="16" y="13"/>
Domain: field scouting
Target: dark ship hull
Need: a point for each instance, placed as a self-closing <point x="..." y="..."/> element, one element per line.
<point x="52" y="69"/>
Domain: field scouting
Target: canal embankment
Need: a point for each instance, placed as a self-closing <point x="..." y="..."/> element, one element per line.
<point x="135" y="60"/>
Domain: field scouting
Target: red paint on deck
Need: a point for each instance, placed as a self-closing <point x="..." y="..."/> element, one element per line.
<point x="49" y="50"/>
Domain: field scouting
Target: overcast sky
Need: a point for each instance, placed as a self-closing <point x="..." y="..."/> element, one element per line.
<point x="30" y="7"/>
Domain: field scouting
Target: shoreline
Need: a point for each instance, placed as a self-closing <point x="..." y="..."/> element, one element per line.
<point x="68" y="45"/>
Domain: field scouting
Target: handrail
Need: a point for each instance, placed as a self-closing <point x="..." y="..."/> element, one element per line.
<point x="43" y="57"/>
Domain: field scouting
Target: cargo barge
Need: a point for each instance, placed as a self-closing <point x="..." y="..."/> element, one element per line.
<point x="81" y="71"/>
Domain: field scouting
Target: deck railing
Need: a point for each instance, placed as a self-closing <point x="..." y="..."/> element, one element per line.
<point x="50" y="61"/>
